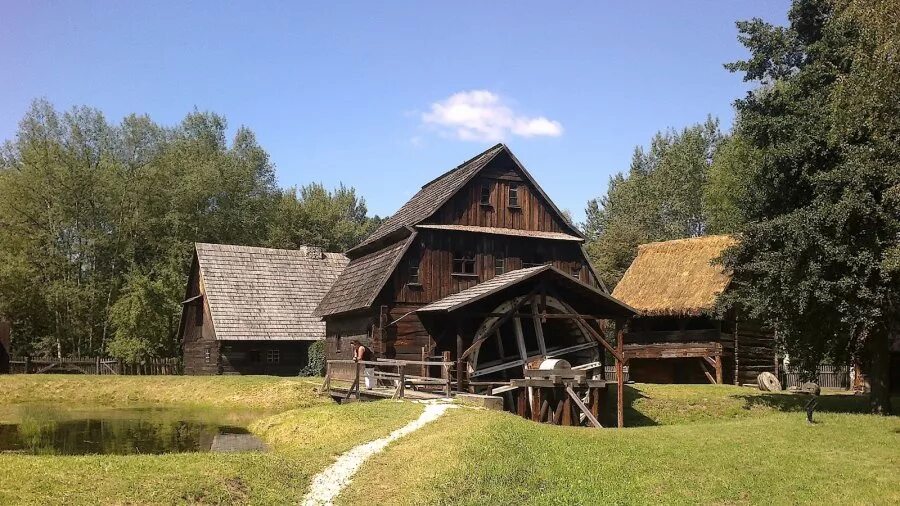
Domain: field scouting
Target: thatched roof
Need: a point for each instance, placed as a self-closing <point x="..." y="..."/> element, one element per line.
<point x="676" y="278"/>
<point x="266" y="294"/>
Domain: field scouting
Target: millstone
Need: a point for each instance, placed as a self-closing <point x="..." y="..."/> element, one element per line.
<point x="768" y="382"/>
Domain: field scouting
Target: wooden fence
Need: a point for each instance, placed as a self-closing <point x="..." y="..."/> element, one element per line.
<point x="828" y="376"/>
<point x="95" y="365"/>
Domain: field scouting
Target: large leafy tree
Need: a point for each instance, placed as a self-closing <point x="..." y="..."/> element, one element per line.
<point x="97" y="223"/>
<point x="819" y="258"/>
<point x="660" y="198"/>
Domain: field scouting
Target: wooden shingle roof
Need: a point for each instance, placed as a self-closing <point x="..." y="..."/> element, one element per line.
<point x="676" y="278"/>
<point x="432" y="196"/>
<point x="266" y="294"/>
<point x="438" y="191"/>
<point x="597" y="300"/>
<point x="362" y="280"/>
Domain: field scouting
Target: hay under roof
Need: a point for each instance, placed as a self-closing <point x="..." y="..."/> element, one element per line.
<point x="676" y="278"/>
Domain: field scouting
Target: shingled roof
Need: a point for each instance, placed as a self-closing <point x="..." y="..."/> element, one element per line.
<point x="598" y="300"/>
<point x="676" y="278"/>
<point x="362" y="280"/>
<point x="266" y="294"/>
<point x="438" y="191"/>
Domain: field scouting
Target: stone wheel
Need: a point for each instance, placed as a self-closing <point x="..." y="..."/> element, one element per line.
<point x="768" y="382"/>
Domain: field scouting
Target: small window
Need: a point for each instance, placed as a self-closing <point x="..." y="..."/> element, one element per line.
<point x="576" y="270"/>
<point x="464" y="264"/>
<point x="499" y="265"/>
<point x="198" y="312"/>
<point x="273" y="356"/>
<point x="486" y="195"/>
<point x="413" y="272"/>
<point x="513" y="195"/>
<point x="207" y="355"/>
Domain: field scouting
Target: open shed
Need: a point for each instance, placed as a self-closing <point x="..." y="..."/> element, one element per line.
<point x="678" y="337"/>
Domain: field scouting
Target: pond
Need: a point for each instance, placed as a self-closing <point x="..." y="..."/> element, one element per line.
<point x="42" y="429"/>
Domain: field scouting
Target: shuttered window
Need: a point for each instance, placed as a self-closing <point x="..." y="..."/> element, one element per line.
<point x="513" y="195"/>
<point x="463" y="264"/>
<point x="485" y="195"/>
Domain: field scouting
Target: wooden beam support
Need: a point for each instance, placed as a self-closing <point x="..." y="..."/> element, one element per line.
<point x="538" y="327"/>
<point x="718" y="367"/>
<point x="496" y="325"/>
<point x="620" y="374"/>
<point x="520" y="339"/>
<point x="587" y="413"/>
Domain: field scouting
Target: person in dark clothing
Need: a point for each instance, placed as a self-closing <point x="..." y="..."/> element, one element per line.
<point x="365" y="354"/>
<point x="813" y="390"/>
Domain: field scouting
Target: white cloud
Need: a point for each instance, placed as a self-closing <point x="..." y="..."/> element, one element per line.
<point x="481" y="115"/>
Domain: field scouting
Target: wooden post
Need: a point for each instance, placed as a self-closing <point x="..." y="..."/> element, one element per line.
<point x="620" y="375"/>
<point x="719" y="369"/>
<point x="27" y="364"/>
<point x="460" y="365"/>
<point x="520" y="403"/>
<point x="97" y="364"/>
<point x="536" y="404"/>
<point x="326" y="385"/>
<point x="445" y="357"/>
<point x="737" y="355"/>
<point x="567" y="412"/>
<point x="355" y="382"/>
<point x="424" y="359"/>
<point x="402" y="386"/>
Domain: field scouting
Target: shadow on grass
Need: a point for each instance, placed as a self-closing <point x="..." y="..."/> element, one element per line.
<point x="790" y="402"/>
<point x="633" y="417"/>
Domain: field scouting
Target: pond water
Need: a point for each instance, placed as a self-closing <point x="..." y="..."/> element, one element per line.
<point x="66" y="430"/>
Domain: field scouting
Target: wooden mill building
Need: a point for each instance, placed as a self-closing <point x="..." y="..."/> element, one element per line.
<point x="676" y="338"/>
<point x="249" y="310"/>
<point x="480" y="268"/>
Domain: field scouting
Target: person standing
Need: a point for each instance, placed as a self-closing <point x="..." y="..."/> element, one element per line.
<point x="363" y="353"/>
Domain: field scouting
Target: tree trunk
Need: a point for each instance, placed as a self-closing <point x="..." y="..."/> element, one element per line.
<point x="880" y="368"/>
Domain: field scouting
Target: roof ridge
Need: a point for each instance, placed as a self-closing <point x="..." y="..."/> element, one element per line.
<point x="301" y="250"/>
<point x="698" y="238"/>
<point x="470" y="160"/>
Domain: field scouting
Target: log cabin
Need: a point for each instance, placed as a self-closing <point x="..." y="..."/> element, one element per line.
<point x="479" y="268"/>
<point x="676" y="338"/>
<point x="249" y="310"/>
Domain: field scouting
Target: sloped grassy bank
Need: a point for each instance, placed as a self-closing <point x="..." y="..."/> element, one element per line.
<point x="302" y="442"/>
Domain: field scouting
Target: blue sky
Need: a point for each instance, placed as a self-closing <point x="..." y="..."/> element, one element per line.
<point x="386" y="95"/>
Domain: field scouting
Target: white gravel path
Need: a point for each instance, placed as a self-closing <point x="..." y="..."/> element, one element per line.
<point x="328" y="484"/>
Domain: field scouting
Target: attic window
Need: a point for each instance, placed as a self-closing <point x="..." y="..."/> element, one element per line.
<point x="485" y="195"/>
<point x="463" y="264"/>
<point x="513" y="196"/>
<point x="198" y="312"/>
<point x="576" y="270"/>
<point x="413" y="273"/>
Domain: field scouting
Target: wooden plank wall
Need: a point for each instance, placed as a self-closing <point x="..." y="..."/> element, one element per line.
<point x="434" y="251"/>
<point x="238" y="357"/>
<point x="197" y="339"/>
<point x="755" y="351"/>
<point x="533" y="213"/>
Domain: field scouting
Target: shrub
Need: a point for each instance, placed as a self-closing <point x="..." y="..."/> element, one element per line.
<point x="315" y="363"/>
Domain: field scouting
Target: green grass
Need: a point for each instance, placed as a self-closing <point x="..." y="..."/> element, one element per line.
<point x="712" y="445"/>
<point x="686" y="444"/>
<point x="302" y="442"/>
<point x="250" y="392"/>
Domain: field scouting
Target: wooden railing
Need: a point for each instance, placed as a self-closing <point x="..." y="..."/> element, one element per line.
<point x="353" y="371"/>
<point x="827" y="376"/>
<point x="95" y="365"/>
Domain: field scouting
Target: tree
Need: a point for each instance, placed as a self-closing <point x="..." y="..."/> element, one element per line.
<point x="313" y="216"/>
<point x="98" y="221"/>
<point x="818" y="259"/>
<point x="661" y="198"/>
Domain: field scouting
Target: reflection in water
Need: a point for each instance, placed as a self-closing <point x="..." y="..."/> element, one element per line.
<point x="122" y="433"/>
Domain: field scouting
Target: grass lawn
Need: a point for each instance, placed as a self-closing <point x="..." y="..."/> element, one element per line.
<point x="713" y="444"/>
<point x="303" y="441"/>
<point x="687" y="444"/>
